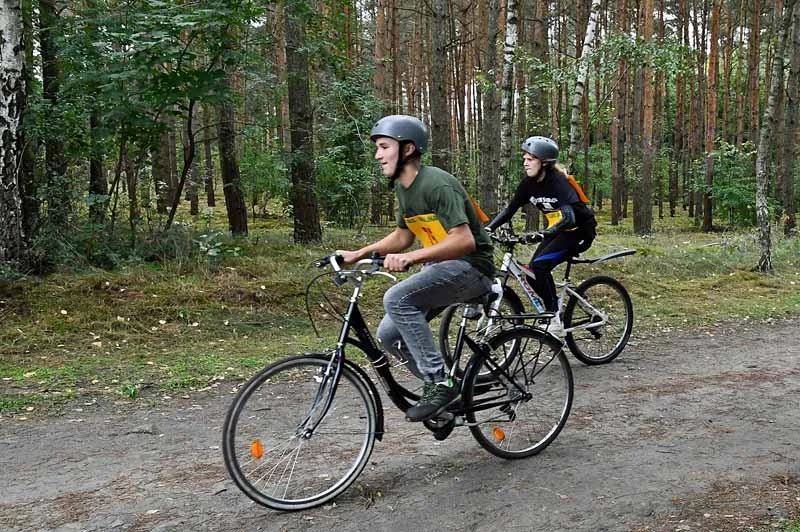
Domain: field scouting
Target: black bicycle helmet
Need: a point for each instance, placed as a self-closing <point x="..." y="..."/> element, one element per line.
<point x="402" y="128"/>
<point x="543" y="148"/>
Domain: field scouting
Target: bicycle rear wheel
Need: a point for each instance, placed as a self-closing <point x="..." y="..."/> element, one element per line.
<point x="603" y="321"/>
<point x="283" y="448"/>
<point x="524" y="408"/>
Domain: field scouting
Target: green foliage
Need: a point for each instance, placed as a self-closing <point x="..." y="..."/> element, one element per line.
<point x="264" y="174"/>
<point x="345" y="169"/>
<point x="734" y="183"/>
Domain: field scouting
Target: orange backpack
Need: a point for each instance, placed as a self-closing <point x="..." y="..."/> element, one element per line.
<point x="581" y="194"/>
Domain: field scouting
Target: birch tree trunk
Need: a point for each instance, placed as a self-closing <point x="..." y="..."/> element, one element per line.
<point x="762" y="182"/>
<point x="580" y="84"/>
<point x="506" y="102"/>
<point x="12" y="92"/>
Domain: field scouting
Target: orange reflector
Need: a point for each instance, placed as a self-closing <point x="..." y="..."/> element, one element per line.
<point x="256" y="449"/>
<point x="499" y="434"/>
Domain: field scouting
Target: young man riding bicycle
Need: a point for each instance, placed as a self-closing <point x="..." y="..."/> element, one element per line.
<point x="456" y="253"/>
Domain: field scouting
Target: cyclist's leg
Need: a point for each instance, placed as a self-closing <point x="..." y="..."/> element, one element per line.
<point x="409" y="302"/>
<point x="550" y="253"/>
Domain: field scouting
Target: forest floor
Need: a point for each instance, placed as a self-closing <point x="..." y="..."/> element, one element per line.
<point x="686" y="431"/>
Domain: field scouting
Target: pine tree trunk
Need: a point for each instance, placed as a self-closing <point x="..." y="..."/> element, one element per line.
<point x="490" y="130"/>
<point x="792" y="118"/>
<point x="440" y="110"/>
<point x="711" y="116"/>
<point x="98" y="184"/>
<point x="643" y="190"/>
<point x="618" y="130"/>
<point x="59" y="201"/>
<point x="229" y="167"/>
<point x="12" y="92"/>
<point x="304" y="203"/>
<point x="208" y="161"/>
<point x="753" y="71"/>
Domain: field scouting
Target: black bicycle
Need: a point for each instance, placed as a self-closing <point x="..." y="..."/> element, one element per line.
<point x="300" y="431"/>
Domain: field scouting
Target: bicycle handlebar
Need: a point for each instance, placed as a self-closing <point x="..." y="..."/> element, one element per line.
<point x="508" y="238"/>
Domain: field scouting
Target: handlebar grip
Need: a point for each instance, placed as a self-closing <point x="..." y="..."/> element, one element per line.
<point x="326" y="261"/>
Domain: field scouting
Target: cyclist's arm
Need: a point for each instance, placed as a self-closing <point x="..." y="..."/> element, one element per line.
<point x="567" y="221"/>
<point x="458" y="242"/>
<point x="395" y="242"/>
<point x="519" y="199"/>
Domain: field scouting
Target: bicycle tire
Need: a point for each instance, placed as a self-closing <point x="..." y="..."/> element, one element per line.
<point x="480" y="329"/>
<point x="505" y="422"/>
<point x="599" y="345"/>
<point x="266" y="454"/>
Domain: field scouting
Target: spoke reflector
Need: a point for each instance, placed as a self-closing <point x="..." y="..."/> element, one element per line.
<point x="499" y="434"/>
<point x="256" y="449"/>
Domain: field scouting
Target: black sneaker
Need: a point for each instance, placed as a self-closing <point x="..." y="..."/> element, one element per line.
<point x="436" y="397"/>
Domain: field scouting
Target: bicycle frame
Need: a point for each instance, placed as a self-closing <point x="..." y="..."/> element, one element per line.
<point x="354" y="331"/>
<point x="511" y="267"/>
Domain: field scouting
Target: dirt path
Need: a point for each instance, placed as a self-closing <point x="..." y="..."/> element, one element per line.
<point x="708" y="422"/>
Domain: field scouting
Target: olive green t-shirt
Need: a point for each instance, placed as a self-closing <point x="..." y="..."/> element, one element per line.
<point x="435" y="203"/>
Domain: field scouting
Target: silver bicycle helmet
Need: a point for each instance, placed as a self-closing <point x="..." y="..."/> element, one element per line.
<point x="402" y="128"/>
<point x="543" y="148"/>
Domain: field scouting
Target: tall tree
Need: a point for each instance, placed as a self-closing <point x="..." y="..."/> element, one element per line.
<point x="208" y="161"/>
<point x="59" y="202"/>
<point x="790" y="134"/>
<point x="490" y="132"/>
<point x="304" y="203"/>
<point x="580" y="83"/>
<point x="506" y="102"/>
<point x="617" y="129"/>
<point x="12" y="92"/>
<point x="440" y="109"/>
<point x="753" y="70"/>
<point x="711" y="116"/>
<point x="643" y="201"/>
<point x="764" y="143"/>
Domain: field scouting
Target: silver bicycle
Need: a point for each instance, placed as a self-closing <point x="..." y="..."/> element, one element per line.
<point x="597" y="314"/>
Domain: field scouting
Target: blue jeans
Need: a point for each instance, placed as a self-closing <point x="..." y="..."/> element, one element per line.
<point x="411" y="303"/>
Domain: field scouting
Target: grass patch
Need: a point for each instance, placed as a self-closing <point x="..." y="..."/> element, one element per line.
<point x="142" y="331"/>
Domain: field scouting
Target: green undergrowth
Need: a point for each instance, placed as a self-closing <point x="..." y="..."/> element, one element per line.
<point x="154" y="330"/>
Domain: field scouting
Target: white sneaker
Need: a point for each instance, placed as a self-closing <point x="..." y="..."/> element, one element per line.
<point x="556" y="328"/>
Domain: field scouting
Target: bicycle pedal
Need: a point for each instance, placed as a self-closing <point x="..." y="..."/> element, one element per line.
<point x="442" y="433"/>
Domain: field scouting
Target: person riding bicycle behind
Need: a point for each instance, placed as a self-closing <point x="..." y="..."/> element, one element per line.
<point x="570" y="221"/>
<point x="456" y="253"/>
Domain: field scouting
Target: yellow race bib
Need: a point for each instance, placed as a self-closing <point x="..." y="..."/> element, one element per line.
<point x="427" y="228"/>
<point x="553" y="217"/>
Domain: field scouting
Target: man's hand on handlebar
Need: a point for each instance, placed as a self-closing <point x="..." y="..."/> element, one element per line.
<point x="348" y="257"/>
<point x="398" y="262"/>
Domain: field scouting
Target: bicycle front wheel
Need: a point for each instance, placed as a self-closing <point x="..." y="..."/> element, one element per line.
<point x="284" y="448"/>
<point x="527" y="403"/>
<point x="601" y="318"/>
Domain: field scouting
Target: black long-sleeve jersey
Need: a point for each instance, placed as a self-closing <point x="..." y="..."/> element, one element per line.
<point x="555" y="197"/>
